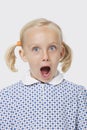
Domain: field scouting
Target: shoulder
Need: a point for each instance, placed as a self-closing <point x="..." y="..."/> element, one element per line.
<point x="71" y="86"/>
<point x="9" y="90"/>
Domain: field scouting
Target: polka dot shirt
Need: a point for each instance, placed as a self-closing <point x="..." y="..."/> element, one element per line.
<point x="43" y="106"/>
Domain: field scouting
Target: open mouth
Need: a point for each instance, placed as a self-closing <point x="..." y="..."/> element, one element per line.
<point x="45" y="71"/>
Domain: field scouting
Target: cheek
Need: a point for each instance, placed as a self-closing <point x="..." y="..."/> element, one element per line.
<point x="33" y="62"/>
<point x="55" y="61"/>
<point x="56" y="57"/>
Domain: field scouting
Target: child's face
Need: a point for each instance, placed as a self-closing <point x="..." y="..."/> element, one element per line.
<point x="42" y="50"/>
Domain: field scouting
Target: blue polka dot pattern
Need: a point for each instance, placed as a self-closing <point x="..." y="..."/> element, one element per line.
<point x="42" y="106"/>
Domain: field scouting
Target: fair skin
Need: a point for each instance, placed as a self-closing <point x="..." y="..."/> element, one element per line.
<point x="42" y="49"/>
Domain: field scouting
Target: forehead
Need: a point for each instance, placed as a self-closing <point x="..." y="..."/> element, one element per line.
<point x="42" y="32"/>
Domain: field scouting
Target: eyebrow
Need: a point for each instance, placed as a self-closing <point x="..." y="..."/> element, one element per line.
<point x="50" y="43"/>
<point x="39" y="43"/>
<point x="53" y="42"/>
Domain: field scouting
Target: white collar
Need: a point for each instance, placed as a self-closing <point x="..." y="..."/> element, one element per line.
<point x="28" y="80"/>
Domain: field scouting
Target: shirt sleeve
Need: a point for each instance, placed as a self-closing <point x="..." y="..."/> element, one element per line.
<point x="82" y="110"/>
<point x="5" y="111"/>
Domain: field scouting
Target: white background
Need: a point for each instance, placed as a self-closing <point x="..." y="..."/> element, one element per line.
<point x="70" y="15"/>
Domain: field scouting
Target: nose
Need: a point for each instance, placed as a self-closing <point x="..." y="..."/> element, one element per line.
<point x="45" y="56"/>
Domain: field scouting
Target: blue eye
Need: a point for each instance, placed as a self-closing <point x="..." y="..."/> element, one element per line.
<point x="52" y="48"/>
<point x="36" y="49"/>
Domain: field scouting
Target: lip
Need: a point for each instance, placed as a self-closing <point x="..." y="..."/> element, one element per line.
<point x="45" y="71"/>
<point x="45" y="66"/>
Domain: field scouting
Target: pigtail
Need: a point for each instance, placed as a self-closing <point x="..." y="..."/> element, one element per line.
<point x="11" y="58"/>
<point x="67" y="59"/>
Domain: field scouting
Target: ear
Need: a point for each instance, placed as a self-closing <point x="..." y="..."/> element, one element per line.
<point x="22" y="55"/>
<point x="62" y="52"/>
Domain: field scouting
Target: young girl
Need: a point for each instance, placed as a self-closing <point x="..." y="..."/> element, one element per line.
<point x="43" y="100"/>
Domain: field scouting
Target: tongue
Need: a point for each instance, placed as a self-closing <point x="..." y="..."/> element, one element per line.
<point x="45" y="71"/>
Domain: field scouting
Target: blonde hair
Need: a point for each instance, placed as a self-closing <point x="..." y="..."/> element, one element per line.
<point x="65" y="61"/>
